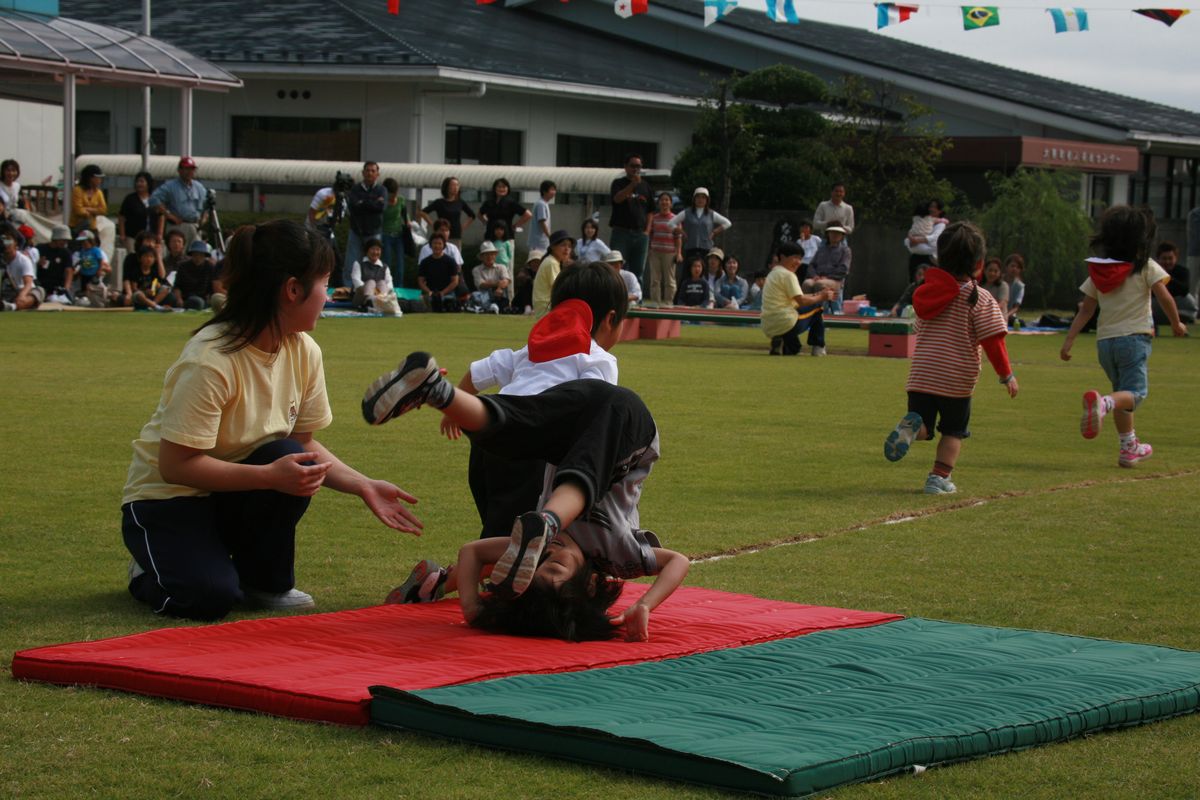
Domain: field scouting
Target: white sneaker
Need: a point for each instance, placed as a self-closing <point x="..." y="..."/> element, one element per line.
<point x="9" y="306"/>
<point x="819" y="351"/>
<point x="280" y="601"/>
<point x="936" y="484"/>
<point x="493" y="309"/>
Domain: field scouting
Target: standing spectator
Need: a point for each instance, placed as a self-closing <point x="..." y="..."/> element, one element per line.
<point x="437" y="276"/>
<point x="196" y="284"/>
<point x="731" y="290"/>
<point x="180" y="202"/>
<point x="87" y="199"/>
<point x="367" y="201"/>
<point x="539" y="232"/>
<point x="328" y="205"/>
<point x="55" y="273"/>
<point x="633" y="289"/>
<point x="19" y="291"/>
<point x="834" y="211"/>
<point x="590" y="247"/>
<point x="561" y="245"/>
<point x="831" y="265"/>
<point x="632" y="205"/>
<point x="693" y="290"/>
<point x="136" y="215"/>
<point x="503" y="207"/>
<point x="1014" y="273"/>
<point x="492" y="281"/>
<point x="809" y="243"/>
<point x="921" y="240"/>
<point x="523" y="282"/>
<point x="450" y="206"/>
<point x="787" y="312"/>
<point x="10" y="187"/>
<point x="666" y="251"/>
<point x="700" y="224"/>
<point x="395" y="231"/>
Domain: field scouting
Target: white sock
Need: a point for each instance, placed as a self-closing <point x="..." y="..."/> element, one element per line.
<point x="1128" y="439"/>
<point x="1106" y="403"/>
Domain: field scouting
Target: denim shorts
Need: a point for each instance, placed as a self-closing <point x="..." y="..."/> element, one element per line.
<point x="1124" y="361"/>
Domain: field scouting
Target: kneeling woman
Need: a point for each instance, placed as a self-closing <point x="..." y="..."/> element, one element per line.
<point x="226" y="467"/>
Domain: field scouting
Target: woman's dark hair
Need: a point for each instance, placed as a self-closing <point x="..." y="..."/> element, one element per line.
<point x="920" y="209"/>
<point x="9" y="162"/>
<point x="572" y="612"/>
<point x="491" y="231"/>
<point x="141" y="238"/>
<point x="960" y="247"/>
<point x="595" y="283"/>
<point x="1015" y="258"/>
<point x="935" y="202"/>
<point x="584" y="226"/>
<point x="89" y="172"/>
<point x="1125" y="235"/>
<point x="446" y="186"/>
<point x="147" y="177"/>
<point x="993" y="260"/>
<point x="500" y="182"/>
<point x="734" y="259"/>
<point x="259" y="260"/>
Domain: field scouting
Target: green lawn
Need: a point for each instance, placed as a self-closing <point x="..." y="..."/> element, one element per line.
<point x="1046" y="533"/>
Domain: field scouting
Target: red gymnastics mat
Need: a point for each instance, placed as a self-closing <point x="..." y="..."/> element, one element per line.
<point x="319" y="666"/>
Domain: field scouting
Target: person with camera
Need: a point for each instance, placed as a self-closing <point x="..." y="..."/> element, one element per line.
<point x="366" y="203"/>
<point x="181" y="202"/>
<point x="632" y="203"/>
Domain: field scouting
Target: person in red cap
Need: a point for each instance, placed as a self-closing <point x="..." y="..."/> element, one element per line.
<point x="559" y="428"/>
<point x="180" y="202"/>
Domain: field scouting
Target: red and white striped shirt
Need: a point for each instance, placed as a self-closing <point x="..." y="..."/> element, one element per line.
<point x="946" y="360"/>
<point x="662" y="233"/>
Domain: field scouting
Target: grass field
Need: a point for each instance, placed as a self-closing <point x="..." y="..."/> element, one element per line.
<point x="1046" y="533"/>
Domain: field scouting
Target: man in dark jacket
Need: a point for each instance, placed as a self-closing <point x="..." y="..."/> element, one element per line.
<point x="367" y="201"/>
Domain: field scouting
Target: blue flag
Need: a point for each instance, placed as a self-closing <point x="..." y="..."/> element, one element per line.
<point x="1067" y="20"/>
<point x="783" y="11"/>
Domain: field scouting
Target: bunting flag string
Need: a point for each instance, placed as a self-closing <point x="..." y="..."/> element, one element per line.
<point x="783" y="11"/>
<point x="976" y="17"/>
<point x="715" y="10"/>
<point x="1167" y="16"/>
<point x="1067" y="20"/>
<point x="627" y="8"/>
<point x="394" y="7"/>
<point x="892" y="14"/>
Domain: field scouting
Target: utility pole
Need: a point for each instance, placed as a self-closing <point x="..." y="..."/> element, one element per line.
<point x="145" y="143"/>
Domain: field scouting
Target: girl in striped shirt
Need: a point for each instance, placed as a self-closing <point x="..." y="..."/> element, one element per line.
<point x="955" y="318"/>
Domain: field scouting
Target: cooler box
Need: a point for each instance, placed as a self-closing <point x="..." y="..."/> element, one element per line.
<point x="851" y="307"/>
<point x="891" y="340"/>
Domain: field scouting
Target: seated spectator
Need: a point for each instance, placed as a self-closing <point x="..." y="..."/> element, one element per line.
<point x="903" y="307"/>
<point x="144" y="289"/>
<point x="55" y="272"/>
<point x="18" y="291"/>
<point x="492" y="282"/>
<point x="370" y="277"/>
<point x="714" y="271"/>
<point x="441" y="226"/>
<point x="732" y="290"/>
<point x="993" y="281"/>
<point x="136" y="215"/>
<point x="450" y="207"/>
<point x="693" y="291"/>
<point x="10" y="190"/>
<point x="176" y="254"/>
<point x="1014" y="273"/>
<point x="809" y="243"/>
<point x="195" y="284"/>
<point x="87" y="199"/>
<point x="1179" y="285"/>
<point x="590" y="247"/>
<point x="754" y="295"/>
<point x="147" y="239"/>
<point x="557" y="259"/>
<point x="91" y="265"/>
<point x="830" y="266"/>
<point x="633" y="288"/>
<point x="438" y="277"/>
<point x="523" y="283"/>
<point x="26" y="243"/>
<point x="499" y="237"/>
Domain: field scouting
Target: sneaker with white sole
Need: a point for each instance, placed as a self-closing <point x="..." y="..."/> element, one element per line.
<point x="410" y="590"/>
<point x="279" y="601"/>
<point x="896" y="445"/>
<point x="513" y="571"/>
<point x="936" y="484"/>
<point x="819" y="351"/>
<point x="1093" y="414"/>
<point x="414" y="383"/>
<point x="1134" y="454"/>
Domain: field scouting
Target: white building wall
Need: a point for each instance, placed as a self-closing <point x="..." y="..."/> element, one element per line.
<point x="32" y="134"/>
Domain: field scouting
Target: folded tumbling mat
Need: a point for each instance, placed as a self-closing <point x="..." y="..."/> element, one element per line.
<point x="320" y="666"/>
<point x="803" y="715"/>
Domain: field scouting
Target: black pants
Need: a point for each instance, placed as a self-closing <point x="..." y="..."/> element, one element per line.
<point x="503" y="489"/>
<point x="815" y="325"/>
<point x="594" y="432"/>
<point x="438" y="302"/>
<point x="198" y="552"/>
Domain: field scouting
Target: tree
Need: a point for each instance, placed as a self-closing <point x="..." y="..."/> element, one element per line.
<point x="1038" y="213"/>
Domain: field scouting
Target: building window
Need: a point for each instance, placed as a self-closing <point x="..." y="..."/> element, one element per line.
<point x="588" y="151"/>
<point x="468" y="145"/>
<point x="303" y="138"/>
<point x="1170" y="186"/>
<point x="158" y="140"/>
<point x="92" y="130"/>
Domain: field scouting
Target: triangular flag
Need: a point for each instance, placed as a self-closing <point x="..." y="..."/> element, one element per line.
<point x="892" y="14"/>
<point x="484" y="2"/>
<point x="783" y="11"/>
<point x="714" y="10"/>
<point x="627" y="8"/>
<point x="393" y="6"/>
<point x="1067" y="20"/>
<point x="975" y="17"/>
<point x="1167" y="16"/>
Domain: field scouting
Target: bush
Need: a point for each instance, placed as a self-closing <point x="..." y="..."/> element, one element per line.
<point x="1038" y="214"/>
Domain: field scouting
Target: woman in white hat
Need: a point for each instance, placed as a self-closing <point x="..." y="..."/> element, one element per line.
<point x="699" y="224"/>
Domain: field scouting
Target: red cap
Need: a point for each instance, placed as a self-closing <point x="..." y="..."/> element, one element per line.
<point x="26" y="232"/>
<point x="187" y="162"/>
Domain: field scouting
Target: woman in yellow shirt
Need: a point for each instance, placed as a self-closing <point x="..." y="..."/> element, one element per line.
<point x="87" y="199"/>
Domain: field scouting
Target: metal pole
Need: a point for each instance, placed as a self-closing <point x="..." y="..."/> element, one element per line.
<point x="68" y="144"/>
<point x="145" y="143"/>
<point x="185" y="121"/>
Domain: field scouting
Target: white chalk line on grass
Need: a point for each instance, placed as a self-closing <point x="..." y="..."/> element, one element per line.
<point x="909" y="516"/>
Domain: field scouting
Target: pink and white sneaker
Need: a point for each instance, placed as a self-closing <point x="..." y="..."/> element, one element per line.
<point x="1134" y="454"/>
<point x="1093" y="414"/>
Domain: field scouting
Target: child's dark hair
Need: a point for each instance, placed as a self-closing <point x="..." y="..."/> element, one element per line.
<point x="1125" y="235"/>
<point x="491" y="231"/>
<point x="1166" y="247"/>
<point x="960" y="247"/>
<point x="789" y="249"/>
<point x="259" y="261"/>
<point x="391" y="186"/>
<point x="546" y="186"/>
<point x="597" y="284"/>
<point x="571" y="612"/>
<point x="372" y="242"/>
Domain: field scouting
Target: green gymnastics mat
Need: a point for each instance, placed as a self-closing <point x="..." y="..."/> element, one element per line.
<point x="803" y="715"/>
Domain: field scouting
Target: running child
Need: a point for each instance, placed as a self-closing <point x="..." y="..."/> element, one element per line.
<point x="1120" y="282"/>
<point x="955" y="317"/>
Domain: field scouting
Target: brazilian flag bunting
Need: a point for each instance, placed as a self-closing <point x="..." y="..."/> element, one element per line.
<point x="975" y="17"/>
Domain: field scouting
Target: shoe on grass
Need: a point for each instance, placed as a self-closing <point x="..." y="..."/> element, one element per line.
<point x="279" y="601"/>
<point x="1134" y="454"/>
<point x="818" y="350"/>
<point x="414" y="383"/>
<point x="514" y="569"/>
<point x="896" y="445"/>
<point x="936" y="484"/>
<point x="1093" y="414"/>
<point x="134" y="570"/>
<point x="410" y="590"/>
<point x="777" y="346"/>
